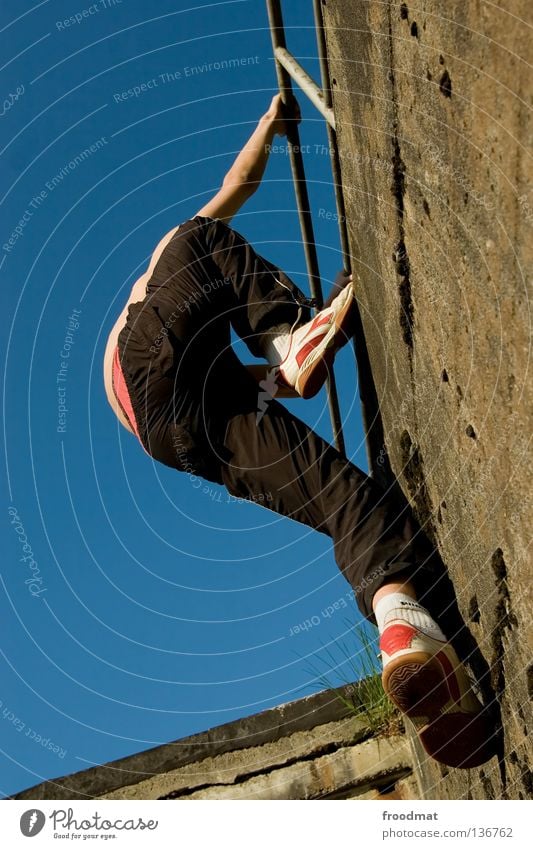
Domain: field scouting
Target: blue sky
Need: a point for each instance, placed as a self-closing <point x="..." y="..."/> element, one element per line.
<point x="156" y="610"/>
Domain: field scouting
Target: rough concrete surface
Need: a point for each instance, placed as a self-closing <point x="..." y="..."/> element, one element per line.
<point x="433" y="112"/>
<point x="350" y="768"/>
<point x="238" y="767"/>
<point x="315" y="745"/>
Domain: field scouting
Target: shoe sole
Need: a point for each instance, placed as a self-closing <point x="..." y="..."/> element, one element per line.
<point x="311" y="380"/>
<point x="418" y="687"/>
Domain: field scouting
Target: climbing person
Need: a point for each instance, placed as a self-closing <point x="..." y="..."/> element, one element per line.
<point x="173" y="380"/>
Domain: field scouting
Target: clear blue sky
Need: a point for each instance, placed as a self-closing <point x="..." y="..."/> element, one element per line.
<point x="156" y="610"/>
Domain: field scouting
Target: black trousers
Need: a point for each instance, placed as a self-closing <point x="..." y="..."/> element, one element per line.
<point x="200" y="411"/>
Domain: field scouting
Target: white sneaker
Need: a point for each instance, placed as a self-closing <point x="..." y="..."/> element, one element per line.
<point x="313" y="346"/>
<point x="424" y="678"/>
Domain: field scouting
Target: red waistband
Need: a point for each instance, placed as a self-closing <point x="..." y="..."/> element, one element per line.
<point x="121" y="393"/>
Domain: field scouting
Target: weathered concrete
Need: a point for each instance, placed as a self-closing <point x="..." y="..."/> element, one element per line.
<point x="344" y="773"/>
<point x="237" y="767"/>
<point x="315" y="746"/>
<point x="433" y="114"/>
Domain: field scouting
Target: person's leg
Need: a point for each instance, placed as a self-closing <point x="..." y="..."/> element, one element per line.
<point x="279" y="462"/>
<point x="264" y="296"/>
<point x="223" y="279"/>
<point x="209" y="275"/>
<point x="207" y="279"/>
<point x="405" y="587"/>
<point x="278" y="456"/>
<point x="273" y="316"/>
<point x="220" y="278"/>
<point x="255" y="295"/>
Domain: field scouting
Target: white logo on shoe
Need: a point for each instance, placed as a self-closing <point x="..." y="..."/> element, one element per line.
<point x="270" y="388"/>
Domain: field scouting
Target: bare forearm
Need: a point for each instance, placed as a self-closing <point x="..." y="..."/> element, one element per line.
<point x="250" y="164"/>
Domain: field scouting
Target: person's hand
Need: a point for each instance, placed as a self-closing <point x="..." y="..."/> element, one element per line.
<point x="342" y="279"/>
<point x="279" y="114"/>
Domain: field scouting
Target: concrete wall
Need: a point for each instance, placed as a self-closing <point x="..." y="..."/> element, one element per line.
<point x="314" y="748"/>
<point x="433" y="113"/>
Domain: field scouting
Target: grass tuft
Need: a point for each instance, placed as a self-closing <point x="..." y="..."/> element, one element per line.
<point x="366" y="698"/>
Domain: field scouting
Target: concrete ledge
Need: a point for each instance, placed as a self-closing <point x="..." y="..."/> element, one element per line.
<point x="238" y="766"/>
<point x="362" y="766"/>
<point x="257" y="730"/>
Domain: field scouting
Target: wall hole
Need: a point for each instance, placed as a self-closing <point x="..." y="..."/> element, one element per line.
<point x="474" y="613"/>
<point x="445" y="85"/>
<point x="529" y="675"/>
<point x="498" y="565"/>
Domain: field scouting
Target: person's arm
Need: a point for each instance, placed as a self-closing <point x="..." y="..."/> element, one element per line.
<point x="244" y="176"/>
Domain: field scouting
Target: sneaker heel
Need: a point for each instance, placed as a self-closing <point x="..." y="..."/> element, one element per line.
<point x="417" y="687"/>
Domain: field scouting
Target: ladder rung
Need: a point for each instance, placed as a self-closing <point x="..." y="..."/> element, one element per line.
<point x="306" y="83"/>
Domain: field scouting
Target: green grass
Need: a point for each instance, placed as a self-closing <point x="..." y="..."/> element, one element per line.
<point x="359" y="654"/>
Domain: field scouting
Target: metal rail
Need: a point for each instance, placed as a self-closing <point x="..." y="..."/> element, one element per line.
<point x="302" y="200"/>
<point x="306" y="83"/>
<point x="378" y="461"/>
<point x="287" y="68"/>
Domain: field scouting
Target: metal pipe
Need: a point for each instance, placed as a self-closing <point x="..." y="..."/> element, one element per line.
<point x="332" y="136"/>
<point x="378" y="462"/>
<point x="302" y="201"/>
<point x="306" y="83"/>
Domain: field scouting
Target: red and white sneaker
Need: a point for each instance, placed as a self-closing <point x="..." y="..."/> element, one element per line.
<point x="426" y="680"/>
<point x="313" y="346"/>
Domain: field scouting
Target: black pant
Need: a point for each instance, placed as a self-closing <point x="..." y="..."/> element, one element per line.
<point x="200" y="411"/>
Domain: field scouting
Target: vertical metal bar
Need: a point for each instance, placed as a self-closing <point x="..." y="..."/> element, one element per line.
<point x="378" y="462"/>
<point x="332" y="136"/>
<point x="302" y="201"/>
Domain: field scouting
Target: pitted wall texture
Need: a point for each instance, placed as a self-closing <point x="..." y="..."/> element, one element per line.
<point x="433" y="110"/>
